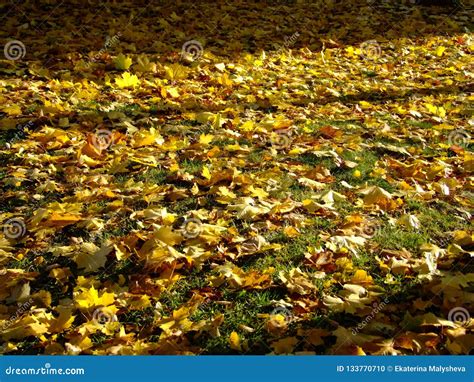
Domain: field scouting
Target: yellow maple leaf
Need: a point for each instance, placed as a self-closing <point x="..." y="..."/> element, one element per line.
<point x="436" y="110"/>
<point x="224" y="80"/>
<point x="176" y="72"/>
<point x="440" y="50"/>
<point x="92" y="257"/>
<point x="247" y="126"/>
<point x="362" y="277"/>
<point x="12" y="110"/>
<point x="234" y="341"/>
<point x="122" y="62"/>
<point x="258" y="192"/>
<point x="62" y="219"/>
<point x="379" y="197"/>
<point x="63" y="321"/>
<point x="206" y="173"/>
<point x="145" y="137"/>
<point x="205" y="139"/>
<point x="168" y="236"/>
<point x="173" y="92"/>
<point x="89" y="298"/>
<point x="127" y="80"/>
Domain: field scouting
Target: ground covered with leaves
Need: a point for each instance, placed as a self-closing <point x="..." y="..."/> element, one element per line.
<point x="236" y="178"/>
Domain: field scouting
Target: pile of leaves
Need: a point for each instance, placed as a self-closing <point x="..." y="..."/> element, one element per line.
<point x="242" y="178"/>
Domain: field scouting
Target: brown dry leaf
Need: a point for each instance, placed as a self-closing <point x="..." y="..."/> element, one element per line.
<point x="285" y="345"/>
<point x="296" y="281"/>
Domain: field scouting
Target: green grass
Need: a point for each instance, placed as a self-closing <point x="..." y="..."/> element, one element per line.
<point x="181" y="207"/>
<point x="192" y="166"/>
<point x="126" y="226"/>
<point x="366" y="161"/>
<point x="291" y="254"/>
<point x="365" y="260"/>
<point x="435" y="225"/>
<point x="114" y="268"/>
<point x="314" y="160"/>
<point x="440" y="219"/>
<point x="245" y="308"/>
<point x="421" y="124"/>
<point x="30" y="263"/>
<point x="27" y="347"/>
<point x="153" y="176"/>
<point x="397" y="239"/>
<point x="137" y="318"/>
<point x="181" y="291"/>
<point x="256" y="156"/>
<point x="99" y="338"/>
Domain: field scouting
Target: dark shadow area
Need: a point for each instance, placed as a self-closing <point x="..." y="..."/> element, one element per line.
<point x="57" y="31"/>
